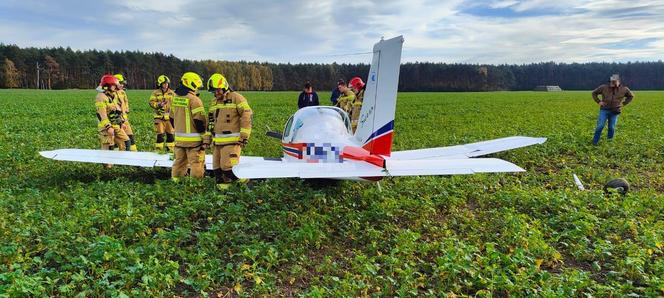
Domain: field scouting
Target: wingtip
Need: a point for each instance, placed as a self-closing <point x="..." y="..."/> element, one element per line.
<point x="48" y="154"/>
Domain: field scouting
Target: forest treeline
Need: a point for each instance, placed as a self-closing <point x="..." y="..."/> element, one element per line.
<point x="64" y="68"/>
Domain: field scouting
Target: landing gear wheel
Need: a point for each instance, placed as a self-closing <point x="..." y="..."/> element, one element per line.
<point x="619" y="185"/>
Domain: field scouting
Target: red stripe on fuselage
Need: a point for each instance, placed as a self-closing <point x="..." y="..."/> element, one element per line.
<point x="381" y="145"/>
<point x="293" y="154"/>
<point x="298" y="146"/>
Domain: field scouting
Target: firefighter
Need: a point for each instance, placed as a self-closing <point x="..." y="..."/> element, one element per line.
<point x="109" y="115"/>
<point x="160" y="101"/>
<point x="229" y="123"/>
<point x="346" y="99"/>
<point x="124" y="105"/>
<point x="187" y="116"/>
<point x="358" y="87"/>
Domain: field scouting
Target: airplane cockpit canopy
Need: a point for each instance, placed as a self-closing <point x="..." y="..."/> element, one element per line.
<point x="317" y="120"/>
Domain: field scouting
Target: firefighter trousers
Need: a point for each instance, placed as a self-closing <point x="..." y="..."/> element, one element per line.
<point x="117" y="140"/>
<point x="224" y="157"/>
<point x="192" y="158"/>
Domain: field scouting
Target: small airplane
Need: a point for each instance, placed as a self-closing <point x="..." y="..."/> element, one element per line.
<point x="318" y="142"/>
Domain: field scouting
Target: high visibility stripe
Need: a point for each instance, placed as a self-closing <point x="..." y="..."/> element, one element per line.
<point x="357" y="103"/>
<point x="245" y="130"/>
<point x="187" y="120"/>
<point x="221" y="135"/>
<point x="225" y="139"/>
<point x="192" y="134"/>
<point x="244" y="105"/>
<point x="180" y="102"/>
<point x="100" y="105"/>
<point x="188" y="137"/>
<point x="223" y="106"/>
<point x="198" y="110"/>
<point x="103" y="123"/>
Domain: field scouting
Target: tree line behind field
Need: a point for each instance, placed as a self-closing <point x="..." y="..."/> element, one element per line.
<point x="64" y="68"/>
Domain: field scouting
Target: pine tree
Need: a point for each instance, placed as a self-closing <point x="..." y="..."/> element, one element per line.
<point x="9" y="75"/>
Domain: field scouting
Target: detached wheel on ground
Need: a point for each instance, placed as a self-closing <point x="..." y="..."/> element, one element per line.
<point x="618" y="185"/>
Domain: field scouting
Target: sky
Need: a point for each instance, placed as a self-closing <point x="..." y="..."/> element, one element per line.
<point x="323" y="31"/>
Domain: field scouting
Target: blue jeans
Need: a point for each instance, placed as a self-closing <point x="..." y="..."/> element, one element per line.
<point x="605" y="115"/>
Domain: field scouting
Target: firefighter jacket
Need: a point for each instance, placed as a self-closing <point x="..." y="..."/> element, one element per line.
<point x="109" y="111"/>
<point x="188" y="118"/>
<point x="229" y="120"/>
<point x="160" y="102"/>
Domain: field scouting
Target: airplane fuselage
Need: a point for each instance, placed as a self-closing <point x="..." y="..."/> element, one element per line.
<point x="319" y="135"/>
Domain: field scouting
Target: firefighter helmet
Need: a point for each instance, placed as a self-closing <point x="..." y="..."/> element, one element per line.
<point x="120" y="78"/>
<point x="356" y="83"/>
<point x="108" y="80"/>
<point x="192" y="81"/>
<point x="217" y="81"/>
<point x="162" y="79"/>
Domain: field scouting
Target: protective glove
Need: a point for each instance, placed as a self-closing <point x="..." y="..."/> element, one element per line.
<point x="207" y="139"/>
<point x="244" y="142"/>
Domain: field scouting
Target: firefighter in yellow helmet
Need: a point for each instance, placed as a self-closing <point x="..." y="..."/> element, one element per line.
<point x="160" y="102"/>
<point x="187" y="116"/>
<point x="229" y="122"/>
<point x="345" y="101"/>
<point x="109" y="115"/>
<point x="124" y="105"/>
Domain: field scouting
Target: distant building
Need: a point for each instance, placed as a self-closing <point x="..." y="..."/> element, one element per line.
<point x="548" y="88"/>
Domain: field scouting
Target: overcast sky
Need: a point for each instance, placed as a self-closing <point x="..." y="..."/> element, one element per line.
<point x="501" y="31"/>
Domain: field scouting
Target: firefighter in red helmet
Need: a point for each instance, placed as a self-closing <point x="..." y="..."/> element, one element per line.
<point x="358" y="87"/>
<point x="110" y="115"/>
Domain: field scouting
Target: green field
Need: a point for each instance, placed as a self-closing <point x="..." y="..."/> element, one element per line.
<point x="74" y="229"/>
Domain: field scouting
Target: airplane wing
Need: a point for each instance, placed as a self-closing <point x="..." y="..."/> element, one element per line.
<point x="127" y="158"/>
<point x="260" y="167"/>
<point x="350" y="169"/>
<point x="467" y="150"/>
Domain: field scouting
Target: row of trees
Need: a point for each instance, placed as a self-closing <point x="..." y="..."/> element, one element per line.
<point x="64" y="68"/>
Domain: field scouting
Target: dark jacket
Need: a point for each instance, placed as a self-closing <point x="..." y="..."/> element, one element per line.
<point x="614" y="98"/>
<point x="335" y="95"/>
<point x="307" y="99"/>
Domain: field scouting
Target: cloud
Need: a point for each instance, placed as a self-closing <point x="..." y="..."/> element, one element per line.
<point x="501" y="31"/>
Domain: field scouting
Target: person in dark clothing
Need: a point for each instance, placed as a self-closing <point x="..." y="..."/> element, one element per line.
<point x="336" y="93"/>
<point x="308" y="97"/>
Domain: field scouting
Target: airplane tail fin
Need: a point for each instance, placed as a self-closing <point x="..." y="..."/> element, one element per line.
<point x="376" y="123"/>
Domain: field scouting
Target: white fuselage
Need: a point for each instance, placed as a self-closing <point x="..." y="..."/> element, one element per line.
<point x="317" y="135"/>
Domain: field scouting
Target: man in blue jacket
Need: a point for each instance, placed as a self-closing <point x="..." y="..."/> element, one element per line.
<point x="308" y="97"/>
<point x="336" y="93"/>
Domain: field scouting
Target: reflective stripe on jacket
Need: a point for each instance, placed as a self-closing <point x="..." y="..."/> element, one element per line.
<point x="160" y="102"/>
<point x="230" y="119"/>
<point x="356" y="108"/>
<point x="108" y="111"/>
<point x="186" y="110"/>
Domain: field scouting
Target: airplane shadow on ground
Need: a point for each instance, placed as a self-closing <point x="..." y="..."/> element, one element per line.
<point x="67" y="174"/>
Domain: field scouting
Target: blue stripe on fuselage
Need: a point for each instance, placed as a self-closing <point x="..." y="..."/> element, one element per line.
<point x="386" y="128"/>
<point x="292" y="150"/>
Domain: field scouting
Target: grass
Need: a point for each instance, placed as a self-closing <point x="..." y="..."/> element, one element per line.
<point x="73" y="229"/>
